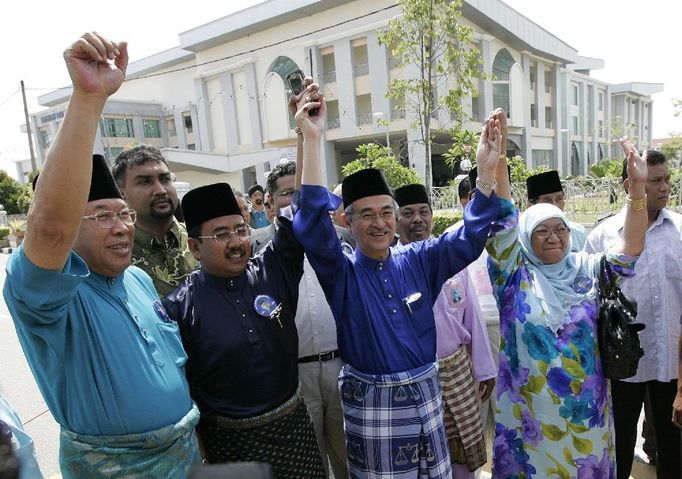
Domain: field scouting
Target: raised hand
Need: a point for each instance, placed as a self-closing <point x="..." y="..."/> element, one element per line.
<point x="488" y="151"/>
<point x="96" y="65"/>
<point x="311" y="99"/>
<point x="295" y="99"/>
<point x="636" y="167"/>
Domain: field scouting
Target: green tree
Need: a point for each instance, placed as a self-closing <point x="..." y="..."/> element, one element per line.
<point x="607" y="168"/>
<point x="13" y="196"/>
<point x="429" y="36"/>
<point x="382" y="158"/>
<point x="619" y="129"/>
<point x="464" y="144"/>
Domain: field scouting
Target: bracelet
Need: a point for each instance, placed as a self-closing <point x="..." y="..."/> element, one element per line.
<point x="503" y="156"/>
<point x="481" y="185"/>
<point x="636" y="205"/>
<point x="298" y="130"/>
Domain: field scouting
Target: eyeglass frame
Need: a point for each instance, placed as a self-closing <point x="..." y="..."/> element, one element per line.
<point x="552" y="231"/>
<point x="117" y="216"/>
<point x="228" y="233"/>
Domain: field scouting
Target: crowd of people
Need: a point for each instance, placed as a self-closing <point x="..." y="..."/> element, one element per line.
<point x="324" y="333"/>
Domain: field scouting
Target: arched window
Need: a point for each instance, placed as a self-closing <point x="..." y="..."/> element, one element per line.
<point x="276" y="96"/>
<point x="501" y="80"/>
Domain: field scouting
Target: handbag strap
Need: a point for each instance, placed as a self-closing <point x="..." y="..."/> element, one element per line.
<point x="606" y="289"/>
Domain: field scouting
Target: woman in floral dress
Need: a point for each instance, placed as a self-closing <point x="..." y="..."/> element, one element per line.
<point x="553" y="414"/>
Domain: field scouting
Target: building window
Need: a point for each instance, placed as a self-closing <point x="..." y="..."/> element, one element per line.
<point x="151" y="128"/>
<point x="533" y="116"/>
<point x="574" y="125"/>
<point x="170" y="126"/>
<point x="188" y="123"/>
<point x="501" y="68"/>
<point x="117" y="128"/>
<point x="600" y="132"/>
<point x="360" y="60"/>
<point x="44" y="138"/>
<point x="333" y="118"/>
<point x="111" y="153"/>
<point x="574" y="95"/>
<point x="601" y="101"/>
<point x="363" y="104"/>
<point x="548" y="117"/>
<point x="328" y="68"/>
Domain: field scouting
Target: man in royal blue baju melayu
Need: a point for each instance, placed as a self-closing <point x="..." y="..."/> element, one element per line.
<point x="382" y="301"/>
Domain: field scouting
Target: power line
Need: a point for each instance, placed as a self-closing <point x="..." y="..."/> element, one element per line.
<point x="10" y="97"/>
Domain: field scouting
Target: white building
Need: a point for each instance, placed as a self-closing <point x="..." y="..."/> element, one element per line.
<point x="217" y="103"/>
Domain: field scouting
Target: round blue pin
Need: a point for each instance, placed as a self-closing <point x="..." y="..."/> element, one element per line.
<point x="582" y="284"/>
<point x="346" y="248"/>
<point x="264" y="305"/>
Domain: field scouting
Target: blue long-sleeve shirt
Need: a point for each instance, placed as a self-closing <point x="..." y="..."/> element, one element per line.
<point x="378" y="333"/>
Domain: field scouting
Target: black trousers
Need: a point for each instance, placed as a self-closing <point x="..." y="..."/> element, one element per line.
<point x="627" y="406"/>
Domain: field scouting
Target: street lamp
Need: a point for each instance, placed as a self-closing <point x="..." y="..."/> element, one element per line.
<point x="378" y="116"/>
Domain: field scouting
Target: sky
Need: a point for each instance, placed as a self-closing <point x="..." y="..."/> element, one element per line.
<point x="636" y="40"/>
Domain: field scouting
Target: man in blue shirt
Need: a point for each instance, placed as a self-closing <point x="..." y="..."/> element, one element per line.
<point x="236" y="317"/>
<point x="106" y="357"/>
<point x="382" y="301"/>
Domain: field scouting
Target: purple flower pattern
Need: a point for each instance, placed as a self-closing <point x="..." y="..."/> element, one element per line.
<point x="553" y="403"/>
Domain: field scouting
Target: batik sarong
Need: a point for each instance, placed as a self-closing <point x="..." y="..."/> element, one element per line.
<point x="462" y="410"/>
<point x="168" y="452"/>
<point x="394" y="424"/>
<point x="284" y="438"/>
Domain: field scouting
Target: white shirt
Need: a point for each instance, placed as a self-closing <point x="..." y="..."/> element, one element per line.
<point x="657" y="288"/>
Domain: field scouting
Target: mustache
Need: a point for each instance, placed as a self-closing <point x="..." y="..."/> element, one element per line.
<point x="236" y="250"/>
<point x="259" y="202"/>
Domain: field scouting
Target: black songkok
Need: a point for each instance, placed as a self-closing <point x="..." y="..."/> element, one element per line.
<point x="411" y="194"/>
<point x="102" y="183"/>
<point x="208" y="202"/>
<point x="364" y="183"/>
<point x="255" y="188"/>
<point x="543" y="183"/>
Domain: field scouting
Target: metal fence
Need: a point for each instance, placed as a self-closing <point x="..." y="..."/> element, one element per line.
<point x="587" y="198"/>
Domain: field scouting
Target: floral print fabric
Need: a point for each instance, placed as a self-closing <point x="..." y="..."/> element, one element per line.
<point x="553" y="415"/>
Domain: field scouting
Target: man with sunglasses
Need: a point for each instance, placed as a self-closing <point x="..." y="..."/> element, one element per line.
<point x="106" y="357"/>
<point x="236" y="318"/>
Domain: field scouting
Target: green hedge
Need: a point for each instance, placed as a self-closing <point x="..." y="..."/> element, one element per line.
<point x="443" y="219"/>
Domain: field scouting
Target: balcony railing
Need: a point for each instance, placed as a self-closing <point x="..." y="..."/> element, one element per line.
<point x="394" y="62"/>
<point x="329" y="77"/>
<point x="360" y="70"/>
<point x="397" y="114"/>
<point x="364" y="118"/>
<point x="333" y="123"/>
<point x="548" y="88"/>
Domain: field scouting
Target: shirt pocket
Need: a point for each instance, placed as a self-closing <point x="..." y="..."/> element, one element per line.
<point x="170" y="335"/>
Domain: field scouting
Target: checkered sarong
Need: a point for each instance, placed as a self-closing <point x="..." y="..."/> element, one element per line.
<point x="462" y="410"/>
<point x="394" y="424"/>
<point x="283" y="438"/>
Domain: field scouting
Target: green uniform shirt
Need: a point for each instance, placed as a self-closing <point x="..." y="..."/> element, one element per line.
<point x="167" y="260"/>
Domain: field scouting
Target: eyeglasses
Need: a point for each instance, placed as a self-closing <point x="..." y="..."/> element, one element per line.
<point x="385" y="216"/>
<point x="225" y="236"/>
<point x="544" y="233"/>
<point x="107" y="219"/>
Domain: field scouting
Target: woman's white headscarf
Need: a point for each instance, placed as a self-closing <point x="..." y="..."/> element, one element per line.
<point x="554" y="282"/>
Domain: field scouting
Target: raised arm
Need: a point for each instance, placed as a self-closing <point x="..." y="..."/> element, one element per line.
<point x="488" y="155"/>
<point x="503" y="189"/>
<point x="312" y="127"/>
<point x="97" y="67"/>
<point x="636" y="217"/>
<point x="293" y="108"/>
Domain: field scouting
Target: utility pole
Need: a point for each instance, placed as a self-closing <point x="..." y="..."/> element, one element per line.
<point x="28" y="129"/>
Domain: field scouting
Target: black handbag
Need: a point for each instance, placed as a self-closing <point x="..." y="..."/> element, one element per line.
<point x="617" y="332"/>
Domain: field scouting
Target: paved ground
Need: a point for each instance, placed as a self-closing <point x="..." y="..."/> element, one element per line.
<point x="18" y="385"/>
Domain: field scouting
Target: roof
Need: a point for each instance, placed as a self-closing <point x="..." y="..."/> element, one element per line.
<point x="637" y="88"/>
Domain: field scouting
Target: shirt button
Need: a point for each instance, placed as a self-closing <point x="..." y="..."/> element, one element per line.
<point x="250" y="330"/>
<point x="390" y="295"/>
<point x="237" y="300"/>
<point x="385" y="280"/>
<point x="394" y="310"/>
<point x="159" y="363"/>
<point x="655" y="297"/>
<point x="243" y="315"/>
<point x="144" y="333"/>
